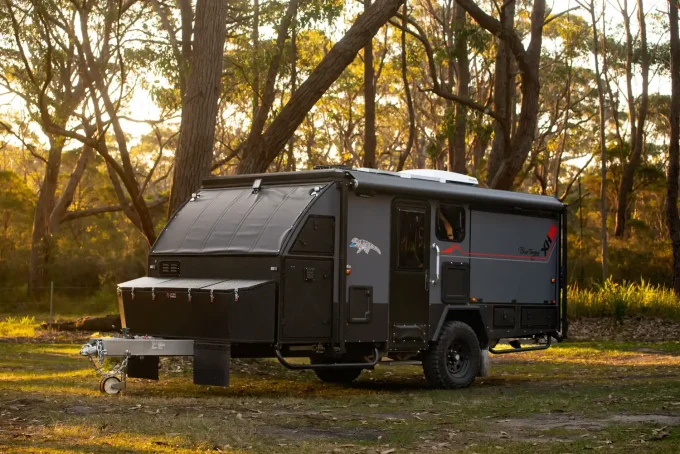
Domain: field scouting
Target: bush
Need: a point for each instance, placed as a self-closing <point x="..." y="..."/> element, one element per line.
<point x="18" y="327"/>
<point x="613" y="299"/>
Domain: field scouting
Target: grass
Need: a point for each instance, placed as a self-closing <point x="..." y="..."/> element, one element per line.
<point x="18" y="327"/>
<point x="610" y="299"/>
<point x="67" y="303"/>
<point x="620" y="397"/>
<point x="619" y="300"/>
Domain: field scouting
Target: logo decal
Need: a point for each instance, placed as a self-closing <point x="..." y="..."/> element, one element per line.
<point x="527" y="251"/>
<point x="363" y="246"/>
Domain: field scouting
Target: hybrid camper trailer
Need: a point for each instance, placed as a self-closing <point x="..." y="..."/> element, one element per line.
<point x="346" y="267"/>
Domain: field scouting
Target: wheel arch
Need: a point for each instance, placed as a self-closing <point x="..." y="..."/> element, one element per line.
<point x="468" y="315"/>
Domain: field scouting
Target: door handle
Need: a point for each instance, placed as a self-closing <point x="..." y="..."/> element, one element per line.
<point x="436" y="275"/>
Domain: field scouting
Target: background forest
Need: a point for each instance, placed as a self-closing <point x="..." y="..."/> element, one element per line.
<point x="111" y="111"/>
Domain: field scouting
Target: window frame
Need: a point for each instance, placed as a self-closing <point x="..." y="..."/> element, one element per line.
<point x="436" y="222"/>
<point x="411" y="209"/>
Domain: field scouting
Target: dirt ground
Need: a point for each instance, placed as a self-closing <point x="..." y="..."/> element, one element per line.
<point x="576" y="397"/>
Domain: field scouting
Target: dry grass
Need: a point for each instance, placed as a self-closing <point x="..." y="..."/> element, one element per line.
<point x="621" y="397"/>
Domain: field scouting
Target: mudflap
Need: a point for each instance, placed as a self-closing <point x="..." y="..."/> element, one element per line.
<point x="212" y="361"/>
<point x="143" y="367"/>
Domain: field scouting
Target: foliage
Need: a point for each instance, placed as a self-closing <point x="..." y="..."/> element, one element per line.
<point x="18" y="327"/>
<point x="17" y="203"/>
<point x="623" y="299"/>
<point x="143" y="78"/>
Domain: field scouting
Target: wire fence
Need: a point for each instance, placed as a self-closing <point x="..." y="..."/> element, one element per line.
<point x="54" y="301"/>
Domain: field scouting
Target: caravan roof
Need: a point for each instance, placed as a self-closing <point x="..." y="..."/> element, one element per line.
<point x="370" y="181"/>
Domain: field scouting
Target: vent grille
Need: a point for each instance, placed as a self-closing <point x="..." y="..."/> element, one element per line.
<point x="169" y="268"/>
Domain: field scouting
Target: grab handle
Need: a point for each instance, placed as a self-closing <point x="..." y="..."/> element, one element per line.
<point x="436" y="274"/>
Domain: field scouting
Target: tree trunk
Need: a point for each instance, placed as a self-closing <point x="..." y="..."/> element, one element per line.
<point x="504" y="93"/>
<point x="448" y="25"/>
<point x="187" y="19"/>
<point x="291" y="162"/>
<point x="269" y="92"/>
<point x="603" y="145"/>
<point x="41" y="239"/>
<point x="674" y="148"/>
<point x="480" y="145"/>
<point x="369" y="102"/>
<point x="254" y="63"/>
<point x="199" y="114"/>
<point x="69" y="191"/>
<point x="462" y="90"/>
<point x="257" y="156"/>
<point x="523" y="138"/>
<point x="407" y="94"/>
<point x="637" y="128"/>
<point x="126" y="171"/>
<point x="104" y="324"/>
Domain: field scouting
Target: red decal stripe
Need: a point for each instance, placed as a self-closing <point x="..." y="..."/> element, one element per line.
<point x="551" y="233"/>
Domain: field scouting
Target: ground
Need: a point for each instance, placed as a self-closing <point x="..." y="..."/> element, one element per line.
<point x="600" y="396"/>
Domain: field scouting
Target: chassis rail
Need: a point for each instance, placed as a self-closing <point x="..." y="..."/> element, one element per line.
<point x="366" y="365"/>
<point x="143" y="346"/>
<point x="114" y="380"/>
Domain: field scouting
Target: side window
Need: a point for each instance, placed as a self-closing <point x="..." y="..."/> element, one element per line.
<point x="451" y="223"/>
<point x="411" y="240"/>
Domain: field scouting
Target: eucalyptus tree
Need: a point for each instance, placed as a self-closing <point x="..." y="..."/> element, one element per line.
<point x="637" y="111"/>
<point x="263" y="145"/>
<point x="39" y="69"/>
<point x="194" y="156"/>
<point x="673" y="174"/>
<point x="104" y="57"/>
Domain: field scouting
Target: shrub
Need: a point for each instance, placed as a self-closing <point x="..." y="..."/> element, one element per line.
<point x="18" y="327"/>
<point x="622" y="299"/>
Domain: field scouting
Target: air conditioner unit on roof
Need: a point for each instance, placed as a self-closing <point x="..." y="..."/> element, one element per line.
<point x="440" y="175"/>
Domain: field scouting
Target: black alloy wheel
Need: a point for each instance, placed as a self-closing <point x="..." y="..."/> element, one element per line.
<point x="453" y="361"/>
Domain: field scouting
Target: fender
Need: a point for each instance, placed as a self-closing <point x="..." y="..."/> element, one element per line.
<point x="467" y="314"/>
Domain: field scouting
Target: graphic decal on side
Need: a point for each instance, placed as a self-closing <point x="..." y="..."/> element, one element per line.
<point x="525" y="253"/>
<point x="363" y="246"/>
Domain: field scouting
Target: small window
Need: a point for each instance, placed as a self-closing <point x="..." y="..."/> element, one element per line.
<point x="451" y="223"/>
<point x="411" y="240"/>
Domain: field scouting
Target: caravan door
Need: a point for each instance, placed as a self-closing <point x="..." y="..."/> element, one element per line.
<point x="409" y="273"/>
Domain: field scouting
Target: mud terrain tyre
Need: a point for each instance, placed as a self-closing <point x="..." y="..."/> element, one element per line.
<point x="453" y="361"/>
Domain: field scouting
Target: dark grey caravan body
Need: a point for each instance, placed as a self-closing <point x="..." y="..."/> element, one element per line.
<point x="349" y="267"/>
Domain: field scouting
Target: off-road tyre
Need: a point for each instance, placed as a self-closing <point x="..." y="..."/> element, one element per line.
<point x="453" y="361"/>
<point x="338" y="375"/>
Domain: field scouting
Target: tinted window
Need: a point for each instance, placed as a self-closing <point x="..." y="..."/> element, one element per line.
<point x="451" y="223"/>
<point x="411" y="240"/>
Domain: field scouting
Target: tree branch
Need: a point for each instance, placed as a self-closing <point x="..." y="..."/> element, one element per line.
<point x="73" y="215"/>
<point x="436" y="86"/>
<point x="494" y="27"/>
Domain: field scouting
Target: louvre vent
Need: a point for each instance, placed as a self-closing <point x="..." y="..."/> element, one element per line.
<point x="168" y="268"/>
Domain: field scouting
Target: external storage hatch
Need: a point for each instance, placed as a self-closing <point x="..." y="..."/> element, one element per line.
<point x="200" y="308"/>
